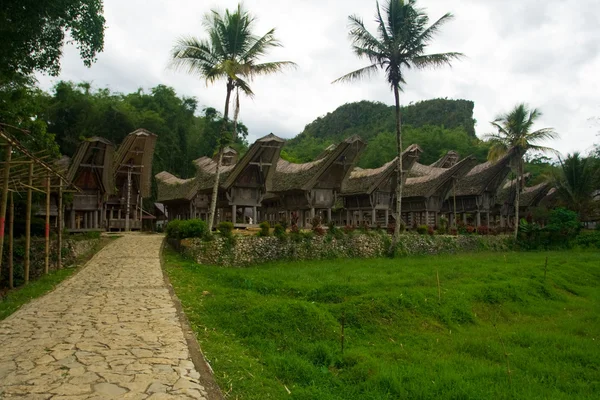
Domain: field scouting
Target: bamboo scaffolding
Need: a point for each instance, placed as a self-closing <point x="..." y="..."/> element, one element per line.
<point x="6" y="175"/>
<point x="11" y="225"/>
<point x="28" y="224"/>
<point x="47" y="230"/>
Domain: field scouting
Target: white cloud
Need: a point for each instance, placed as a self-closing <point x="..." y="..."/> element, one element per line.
<point x="543" y="53"/>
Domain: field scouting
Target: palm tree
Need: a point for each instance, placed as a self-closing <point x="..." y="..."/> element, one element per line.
<point x="575" y="182"/>
<point x="402" y="37"/>
<point x="514" y="134"/>
<point x="232" y="53"/>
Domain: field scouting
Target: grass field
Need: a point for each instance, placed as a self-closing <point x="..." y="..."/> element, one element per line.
<point x="274" y="331"/>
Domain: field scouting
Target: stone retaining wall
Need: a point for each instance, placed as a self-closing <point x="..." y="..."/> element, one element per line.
<point x="249" y="250"/>
<point x="72" y="249"/>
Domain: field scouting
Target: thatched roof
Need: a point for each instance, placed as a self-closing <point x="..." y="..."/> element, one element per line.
<point x="485" y="177"/>
<point x="447" y="161"/>
<point x="264" y="153"/>
<point x="97" y="154"/>
<point x="137" y="149"/>
<point x="426" y="180"/>
<point x="290" y="176"/>
<point x="533" y="195"/>
<point x="506" y="194"/>
<point x="365" y="181"/>
<point x="172" y="188"/>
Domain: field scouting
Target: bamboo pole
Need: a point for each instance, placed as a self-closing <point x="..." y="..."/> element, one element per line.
<point x="59" y="220"/>
<point x="47" y="231"/>
<point x="28" y="224"/>
<point x="11" y="224"/>
<point x="6" y="175"/>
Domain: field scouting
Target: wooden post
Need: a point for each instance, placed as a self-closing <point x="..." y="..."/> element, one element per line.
<point x="233" y="214"/>
<point x="28" y="224"/>
<point x="59" y="223"/>
<point x="11" y="224"/>
<point x="128" y="199"/>
<point x="7" y="157"/>
<point x="47" y="232"/>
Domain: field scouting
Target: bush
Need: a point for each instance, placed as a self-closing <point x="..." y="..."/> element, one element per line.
<point x="173" y="229"/>
<point x="349" y="229"/>
<point x="483" y="230"/>
<point x="225" y="229"/>
<point x="264" y="229"/>
<point x="588" y="239"/>
<point x="443" y="226"/>
<point x="279" y="231"/>
<point x="191" y="228"/>
<point x="563" y="226"/>
<point x="422" y="229"/>
<point x="430" y="231"/>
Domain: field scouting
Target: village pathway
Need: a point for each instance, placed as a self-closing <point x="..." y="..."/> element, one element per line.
<point x="111" y="331"/>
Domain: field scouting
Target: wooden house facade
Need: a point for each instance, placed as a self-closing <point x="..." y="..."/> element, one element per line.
<point x="474" y="196"/>
<point x="91" y="170"/>
<point x="369" y="194"/>
<point x="311" y="189"/>
<point x="242" y="188"/>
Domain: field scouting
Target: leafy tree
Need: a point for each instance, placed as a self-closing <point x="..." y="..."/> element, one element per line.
<point x="232" y="53"/>
<point x="33" y="33"/>
<point x="514" y="133"/>
<point x="401" y="41"/>
<point x="575" y="182"/>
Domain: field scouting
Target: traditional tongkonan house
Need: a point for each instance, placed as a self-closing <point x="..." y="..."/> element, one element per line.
<point x="132" y="174"/>
<point x="427" y="187"/>
<point x="91" y="170"/>
<point x="242" y="184"/>
<point x="369" y="193"/>
<point x="530" y="197"/>
<point x="312" y="188"/>
<point x="475" y="193"/>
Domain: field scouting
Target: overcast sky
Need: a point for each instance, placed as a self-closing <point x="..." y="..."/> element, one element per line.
<point x="544" y="53"/>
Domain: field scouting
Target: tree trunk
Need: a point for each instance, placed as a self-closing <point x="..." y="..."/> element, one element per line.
<point x="518" y="193"/>
<point x="399" y="173"/>
<point x="215" y="192"/>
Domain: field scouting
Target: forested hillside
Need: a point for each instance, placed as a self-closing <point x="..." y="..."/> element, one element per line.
<point x="72" y="112"/>
<point x="437" y="125"/>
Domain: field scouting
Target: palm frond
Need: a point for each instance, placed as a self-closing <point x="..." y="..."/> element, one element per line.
<point x="358" y="74"/>
<point x="436" y="60"/>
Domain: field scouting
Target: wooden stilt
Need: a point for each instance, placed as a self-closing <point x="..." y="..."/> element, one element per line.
<point x="59" y="223"/>
<point x="47" y="231"/>
<point x="11" y="224"/>
<point x="28" y="224"/>
<point x="7" y="157"/>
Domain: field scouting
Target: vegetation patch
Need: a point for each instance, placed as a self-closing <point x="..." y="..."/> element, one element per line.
<point x="385" y="328"/>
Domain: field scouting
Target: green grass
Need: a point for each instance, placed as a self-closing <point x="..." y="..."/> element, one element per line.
<point x="272" y="327"/>
<point x="13" y="299"/>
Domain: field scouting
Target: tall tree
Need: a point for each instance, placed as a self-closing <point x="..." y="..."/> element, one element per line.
<point x="575" y="182"/>
<point x="400" y="43"/>
<point x="231" y="52"/>
<point x="33" y="33"/>
<point x="514" y="132"/>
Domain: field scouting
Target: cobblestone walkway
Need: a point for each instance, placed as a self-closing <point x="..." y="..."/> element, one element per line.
<point x="111" y="331"/>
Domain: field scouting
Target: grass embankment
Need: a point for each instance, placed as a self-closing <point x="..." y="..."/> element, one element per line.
<point x="12" y="300"/>
<point x="276" y="328"/>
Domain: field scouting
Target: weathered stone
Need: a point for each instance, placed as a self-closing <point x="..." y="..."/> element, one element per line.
<point x="109" y="389"/>
<point x="111" y="330"/>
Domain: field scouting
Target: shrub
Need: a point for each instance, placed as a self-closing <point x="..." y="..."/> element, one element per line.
<point x="279" y="231"/>
<point x="225" y="229"/>
<point x="284" y="224"/>
<point x="194" y="228"/>
<point x="422" y="229"/>
<point x="470" y="229"/>
<point x="443" y="226"/>
<point x="483" y="230"/>
<point x="563" y="226"/>
<point x="173" y="229"/>
<point x="430" y="231"/>
<point x="589" y="239"/>
<point x="349" y="229"/>
<point x="264" y="229"/>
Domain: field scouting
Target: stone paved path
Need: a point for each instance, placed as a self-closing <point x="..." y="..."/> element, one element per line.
<point x="111" y="331"/>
